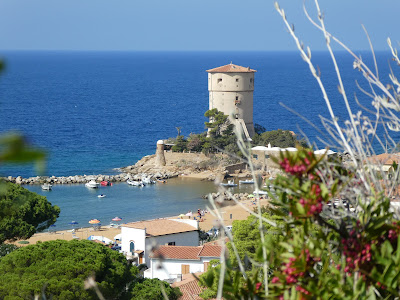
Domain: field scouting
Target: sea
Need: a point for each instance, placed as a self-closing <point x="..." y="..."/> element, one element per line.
<point x="93" y="112"/>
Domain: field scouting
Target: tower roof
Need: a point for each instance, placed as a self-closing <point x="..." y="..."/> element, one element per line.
<point x="231" y="68"/>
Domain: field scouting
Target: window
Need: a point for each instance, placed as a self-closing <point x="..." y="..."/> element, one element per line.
<point x="219" y="80"/>
<point x="237" y="97"/>
<point x="251" y="80"/>
<point x="132" y="246"/>
<point x="171" y="244"/>
<point x="237" y="79"/>
<point x="255" y="156"/>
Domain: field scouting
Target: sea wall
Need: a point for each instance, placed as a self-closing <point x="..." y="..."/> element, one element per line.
<point x="80" y="179"/>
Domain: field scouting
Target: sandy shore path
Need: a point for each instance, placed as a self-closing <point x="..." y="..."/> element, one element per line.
<point x="229" y="213"/>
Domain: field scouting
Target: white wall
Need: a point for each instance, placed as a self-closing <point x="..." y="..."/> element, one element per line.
<point x="172" y="268"/>
<point x="190" y="238"/>
<point x="138" y="236"/>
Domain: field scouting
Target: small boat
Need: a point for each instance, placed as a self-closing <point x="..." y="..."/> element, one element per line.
<point x="101" y="196"/>
<point x="47" y="187"/>
<point x="147" y="180"/>
<point x="106" y="183"/>
<point x="230" y="183"/>
<point x="260" y="193"/>
<point x="247" y="181"/>
<point x="135" y="183"/>
<point x="92" y="184"/>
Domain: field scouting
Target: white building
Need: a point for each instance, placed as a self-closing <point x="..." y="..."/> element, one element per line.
<point x="139" y="238"/>
<point x="231" y="90"/>
<point x="171" y="262"/>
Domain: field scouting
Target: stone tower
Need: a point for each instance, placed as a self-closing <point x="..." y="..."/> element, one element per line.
<point x="160" y="157"/>
<point x="231" y="90"/>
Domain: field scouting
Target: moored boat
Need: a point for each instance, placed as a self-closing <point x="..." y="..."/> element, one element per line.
<point x="101" y="196"/>
<point x="47" y="187"/>
<point x="247" y="181"/>
<point x="147" y="180"/>
<point x="92" y="184"/>
<point x="260" y="192"/>
<point x="106" y="183"/>
<point x="135" y="183"/>
<point x="230" y="183"/>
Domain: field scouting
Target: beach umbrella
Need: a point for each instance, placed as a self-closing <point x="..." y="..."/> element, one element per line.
<point x="116" y="219"/>
<point x="94" y="221"/>
<point x="250" y="196"/>
<point x="73" y="223"/>
<point x="189" y="214"/>
<point x="181" y="215"/>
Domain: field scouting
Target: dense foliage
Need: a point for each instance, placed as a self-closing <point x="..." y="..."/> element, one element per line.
<point x="152" y="289"/>
<point x="7" y="249"/>
<point x="61" y="267"/>
<point x="221" y="137"/>
<point x="349" y="253"/>
<point x="278" y="138"/>
<point x="22" y="213"/>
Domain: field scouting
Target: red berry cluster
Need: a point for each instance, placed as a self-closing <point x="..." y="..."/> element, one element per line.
<point x="313" y="204"/>
<point x="297" y="169"/>
<point x="356" y="252"/>
<point x="292" y="274"/>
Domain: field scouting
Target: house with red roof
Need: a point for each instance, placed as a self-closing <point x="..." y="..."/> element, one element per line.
<point x="172" y="262"/>
<point x="138" y="239"/>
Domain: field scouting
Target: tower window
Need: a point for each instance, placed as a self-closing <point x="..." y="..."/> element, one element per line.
<point x="251" y="80"/>
<point x="237" y="98"/>
<point x="237" y="79"/>
<point x="219" y="80"/>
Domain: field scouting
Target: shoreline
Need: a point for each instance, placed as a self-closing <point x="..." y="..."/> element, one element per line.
<point x="230" y="213"/>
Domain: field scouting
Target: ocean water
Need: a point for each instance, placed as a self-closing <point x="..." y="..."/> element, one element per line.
<point x="96" y="111"/>
<point x="177" y="196"/>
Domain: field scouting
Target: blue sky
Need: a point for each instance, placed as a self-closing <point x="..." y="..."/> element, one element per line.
<point x="188" y="25"/>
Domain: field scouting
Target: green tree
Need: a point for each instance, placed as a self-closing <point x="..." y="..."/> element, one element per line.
<point x="22" y="213"/>
<point x="147" y="289"/>
<point x="259" y="128"/>
<point x="278" y="138"/>
<point x="7" y="249"/>
<point x="180" y="144"/>
<point x="247" y="239"/>
<point x="62" y="267"/>
<point x="219" y="123"/>
<point x="196" y="142"/>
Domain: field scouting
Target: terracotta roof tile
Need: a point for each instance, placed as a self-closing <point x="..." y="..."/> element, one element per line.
<point x="210" y="251"/>
<point x="385" y="158"/>
<point x="177" y="252"/>
<point x="161" y="227"/>
<point x="189" y="287"/>
<point x="231" y="68"/>
<point x="187" y="252"/>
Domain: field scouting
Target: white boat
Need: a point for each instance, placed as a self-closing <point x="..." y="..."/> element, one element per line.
<point x="101" y="196"/>
<point x="147" y="180"/>
<point x="46" y="187"/>
<point x="135" y="183"/>
<point x="260" y="193"/>
<point x="92" y="184"/>
<point x="247" y="181"/>
<point x="230" y="183"/>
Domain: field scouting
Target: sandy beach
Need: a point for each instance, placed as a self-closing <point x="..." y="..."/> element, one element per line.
<point x="229" y="213"/>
